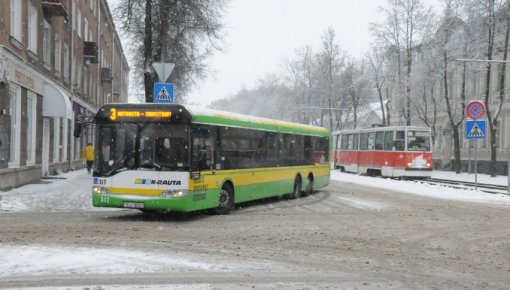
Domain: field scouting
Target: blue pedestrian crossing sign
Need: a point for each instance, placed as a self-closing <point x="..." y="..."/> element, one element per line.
<point x="163" y="93"/>
<point x="476" y="129"/>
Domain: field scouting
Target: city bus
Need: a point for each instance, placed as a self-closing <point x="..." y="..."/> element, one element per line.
<point x="175" y="158"/>
<point x="396" y="151"/>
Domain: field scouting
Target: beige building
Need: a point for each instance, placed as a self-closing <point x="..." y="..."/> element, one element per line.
<point x="59" y="61"/>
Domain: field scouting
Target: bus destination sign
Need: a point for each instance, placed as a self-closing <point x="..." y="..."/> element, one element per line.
<point x="138" y="114"/>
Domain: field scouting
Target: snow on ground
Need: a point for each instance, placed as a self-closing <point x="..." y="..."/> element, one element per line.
<point x="72" y="193"/>
<point x="436" y="191"/>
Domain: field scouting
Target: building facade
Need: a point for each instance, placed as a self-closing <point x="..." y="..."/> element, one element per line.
<point x="59" y="61"/>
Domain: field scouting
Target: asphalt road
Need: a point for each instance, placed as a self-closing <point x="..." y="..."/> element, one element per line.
<point x="344" y="236"/>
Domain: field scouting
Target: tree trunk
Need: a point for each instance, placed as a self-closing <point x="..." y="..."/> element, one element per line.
<point x="147" y="52"/>
<point x="490" y="49"/>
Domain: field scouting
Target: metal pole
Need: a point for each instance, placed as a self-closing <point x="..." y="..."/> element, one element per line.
<point x="508" y="169"/>
<point x="476" y="164"/>
<point x="470" y="145"/>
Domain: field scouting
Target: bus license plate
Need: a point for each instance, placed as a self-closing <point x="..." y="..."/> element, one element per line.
<point x="133" y="204"/>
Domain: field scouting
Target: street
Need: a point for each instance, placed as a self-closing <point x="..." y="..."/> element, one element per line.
<point x="344" y="236"/>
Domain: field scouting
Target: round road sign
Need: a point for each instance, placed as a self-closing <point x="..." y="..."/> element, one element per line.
<point x="475" y="110"/>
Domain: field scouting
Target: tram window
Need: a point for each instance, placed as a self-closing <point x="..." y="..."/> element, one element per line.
<point x="388" y="140"/>
<point x="379" y="140"/>
<point x="356" y="142"/>
<point x="363" y="144"/>
<point x="345" y="141"/>
<point x="418" y="141"/>
<point x="371" y="140"/>
<point x="399" y="142"/>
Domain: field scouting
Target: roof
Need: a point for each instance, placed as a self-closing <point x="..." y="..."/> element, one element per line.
<point x="217" y="117"/>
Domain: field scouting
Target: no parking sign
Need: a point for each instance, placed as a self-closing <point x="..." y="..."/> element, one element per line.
<point x="475" y="110"/>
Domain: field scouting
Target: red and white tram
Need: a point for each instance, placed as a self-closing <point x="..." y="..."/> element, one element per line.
<point x="402" y="151"/>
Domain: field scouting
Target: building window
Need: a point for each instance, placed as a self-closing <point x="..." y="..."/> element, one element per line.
<point x="58" y="55"/>
<point x="32" y="28"/>
<point x="78" y="22"/>
<point x="64" y="138"/>
<point x="16" y="19"/>
<point x="86" y="30"/>
<point x="66" y="61"/>
<point x="47" y="43"/>
<point x="56" y="140"/>
<point x="31" y="127"/>
<point x="15" y="110"/>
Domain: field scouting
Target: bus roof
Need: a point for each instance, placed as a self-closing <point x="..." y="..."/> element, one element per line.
<point x="215" y="117"/>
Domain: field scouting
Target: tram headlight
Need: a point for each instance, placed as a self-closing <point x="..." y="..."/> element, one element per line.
<point x="428" y="164"/>
<point x="409" y="164"/>
<point x="174" y="193"/>
<point x="100" y="190"/>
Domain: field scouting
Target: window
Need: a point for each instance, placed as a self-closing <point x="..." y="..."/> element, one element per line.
<point x="78" y="22"/>
<point x="363" y="144"/>
<point x="15" y="108"/>
<point x="379" y="140"/>
<point x="47" y="43"/>
<point x="86" y="29"/>
<point x="32" y="27"/>
<point x="16" y="19"/>
<point x="58" y="55"/>
<point x="388" y="141"/>
<point x="31" y="126"/>
<point x="66" y="61"/>
<point x="57" y="145"/>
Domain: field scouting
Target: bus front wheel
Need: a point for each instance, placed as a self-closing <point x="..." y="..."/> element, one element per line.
<point x="226" y="202"/>
<point x="309" y="186"/>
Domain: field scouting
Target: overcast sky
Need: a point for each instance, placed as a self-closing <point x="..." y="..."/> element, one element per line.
<point x="261" y="34"/>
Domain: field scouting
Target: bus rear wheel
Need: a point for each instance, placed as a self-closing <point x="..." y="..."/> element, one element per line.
<point x="226" y="202"/>
<point x="309" y="186"/>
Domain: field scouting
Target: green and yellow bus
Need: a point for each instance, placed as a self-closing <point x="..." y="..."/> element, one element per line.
<point x="175" y="158"/>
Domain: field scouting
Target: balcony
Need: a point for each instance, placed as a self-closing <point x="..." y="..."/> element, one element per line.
<point x="106" y="74"/>
<point x="90" y="51"/>
<point x="55" y="8"/>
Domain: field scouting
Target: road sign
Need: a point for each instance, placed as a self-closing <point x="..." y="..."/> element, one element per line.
<point x="475" y="110"/>
<point x="163" y="93"/>
<point x="476" y="129"/>
<point x="163" y="69"/>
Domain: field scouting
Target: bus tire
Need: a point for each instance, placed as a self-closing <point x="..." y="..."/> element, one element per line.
<point x="296" y="193"/>
<point x="309" y="186"/>
<point x="226" y="200"/>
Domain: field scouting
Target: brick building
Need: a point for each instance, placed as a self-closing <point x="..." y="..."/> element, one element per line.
<point x="59" y="61"/>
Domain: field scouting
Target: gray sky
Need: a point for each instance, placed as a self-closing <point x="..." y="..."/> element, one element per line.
<point x="261" y="34"/>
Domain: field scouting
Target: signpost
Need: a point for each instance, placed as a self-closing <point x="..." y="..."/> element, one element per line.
<point x="476" y="129"/>
<point x="163" y="93"/>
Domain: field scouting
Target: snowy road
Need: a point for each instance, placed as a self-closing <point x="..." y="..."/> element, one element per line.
<point x="345" y="236"/>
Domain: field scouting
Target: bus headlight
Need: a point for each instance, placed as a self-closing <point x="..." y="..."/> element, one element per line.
<point x="174" y="193"/>
<point x="100" y="190"/>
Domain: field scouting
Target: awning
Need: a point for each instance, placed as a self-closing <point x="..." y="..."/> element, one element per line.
<point x="56" y="102"/>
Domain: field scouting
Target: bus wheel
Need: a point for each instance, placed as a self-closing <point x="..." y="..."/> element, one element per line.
<point x="296" y="193"/>
<point x="309" y="186"/>
<point x="226" y="204"/>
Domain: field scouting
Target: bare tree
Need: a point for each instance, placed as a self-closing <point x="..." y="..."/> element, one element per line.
<point x="181" y="32"/>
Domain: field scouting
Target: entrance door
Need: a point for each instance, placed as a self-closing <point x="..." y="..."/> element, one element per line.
<point x="46" y="147"/>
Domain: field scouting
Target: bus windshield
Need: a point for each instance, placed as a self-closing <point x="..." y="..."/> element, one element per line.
<point x="133" y="146"/>
<point x="418" y="140"/>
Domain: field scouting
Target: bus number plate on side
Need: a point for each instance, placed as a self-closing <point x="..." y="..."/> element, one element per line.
<point x="133" y="205"/>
